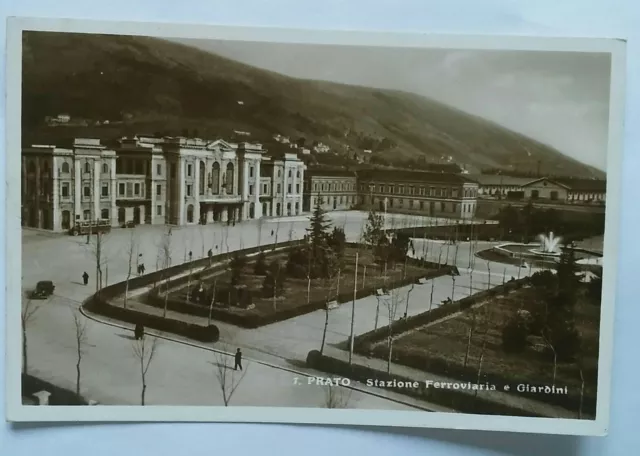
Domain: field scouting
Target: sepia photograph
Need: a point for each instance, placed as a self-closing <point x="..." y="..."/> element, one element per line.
<point x="237" y="224"/>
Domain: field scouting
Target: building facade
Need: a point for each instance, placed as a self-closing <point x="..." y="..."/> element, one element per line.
<point x="63" y="185"/>
<point x="337" y="190"/>
<point x="178" y="181"/>
<point x="424" y="193"/>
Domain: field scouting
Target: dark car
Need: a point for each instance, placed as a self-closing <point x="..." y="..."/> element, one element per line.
<point x="129" y="224"/>
<point x="43" y="289"/>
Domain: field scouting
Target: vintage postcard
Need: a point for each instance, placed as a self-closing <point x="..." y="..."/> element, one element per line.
<point x="270" y="225"/>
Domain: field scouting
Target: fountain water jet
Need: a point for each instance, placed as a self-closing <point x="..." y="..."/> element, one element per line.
<point x="549" y="245"/>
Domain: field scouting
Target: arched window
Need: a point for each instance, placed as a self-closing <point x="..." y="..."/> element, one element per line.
<point x="278" y="209"/>
<point x="87" y="167"/>
<point x="215" y="178"/>
<point x="190" y="213"/>
<point x="105" y="168"/>
<point x="252" y="210"/>
<point x="202" y="177"/>
<point x="229" y="178"/>
<point x="65" y="167"/>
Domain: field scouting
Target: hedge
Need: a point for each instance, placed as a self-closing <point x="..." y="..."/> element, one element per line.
<point x="59" y="396"/>
<point x="200" y="333"/>
<point x="453" y="399"/>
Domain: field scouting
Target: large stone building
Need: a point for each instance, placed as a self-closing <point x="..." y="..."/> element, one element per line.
<point x="177" y="181"/>
<point x="420" y="192"/>
<point x="336" y="189"/>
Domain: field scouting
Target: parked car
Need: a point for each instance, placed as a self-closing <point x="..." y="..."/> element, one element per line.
<point x="129" y="224"/>
<point x="43" y="289"/>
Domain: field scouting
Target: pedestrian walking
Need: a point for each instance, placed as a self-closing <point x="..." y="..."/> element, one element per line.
<point x="238" y="360"/>
<point x="142" y="269"/>
<point x="271" y="233"/>
<point x="190" y="255"/>
<point x="85" y="278"/>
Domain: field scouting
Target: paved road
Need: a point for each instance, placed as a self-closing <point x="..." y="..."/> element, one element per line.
<point x="179" y="374"/>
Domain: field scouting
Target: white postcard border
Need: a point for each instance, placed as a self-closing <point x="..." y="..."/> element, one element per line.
<point x="17" y="412"/>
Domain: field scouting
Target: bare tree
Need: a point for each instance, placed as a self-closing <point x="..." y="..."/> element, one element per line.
<point x="336" y="397"/>
<point x="165" y="254"/>
<point x="391" y="305"/>
<point x="229" y="379"/>
<point x="131" y="248"/>
<point x="29" y="309"/>
<point x="80" y="325"/>
<point x="260" y="226"/>
<point x="472" y="321"/>
<point x="144" y="350"/>
<point x="487" y="326"/>
<point x="547" y="341"/>
<point x="326" y="312"/>
<point x="96" y="246"/>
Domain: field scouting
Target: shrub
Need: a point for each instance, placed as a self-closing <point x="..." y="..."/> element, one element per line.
<point x="273" y="284"/>
<point x="514" y="335"/>
<point x="313" y="358"/>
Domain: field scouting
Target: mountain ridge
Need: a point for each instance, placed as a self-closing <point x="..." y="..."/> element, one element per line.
<point x="169" y="87"/>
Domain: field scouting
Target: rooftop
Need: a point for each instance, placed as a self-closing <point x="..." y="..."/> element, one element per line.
<point x="413" y="176"/>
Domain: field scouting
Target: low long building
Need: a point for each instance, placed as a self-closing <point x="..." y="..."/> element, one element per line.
<point x="336" y="189"/>
<point x="420" y="192"/>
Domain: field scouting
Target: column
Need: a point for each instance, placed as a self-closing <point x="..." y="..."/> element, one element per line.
<point x="285" y="197"/>
<point x="113" y="192"/>
<point x="209" y="214"/>
<point x="55" y="198"/>
<point x="142" y="214"/>
<point x="258" y="189"/>
<point x="196" y="192"/>
<point x="96" y="190"/>
<point x="224" y="214"/>
<point x="180" y="196"/>
<point x="77" y="194"/>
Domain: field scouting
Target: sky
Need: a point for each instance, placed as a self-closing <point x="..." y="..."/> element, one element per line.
<point x="559" y="98"/>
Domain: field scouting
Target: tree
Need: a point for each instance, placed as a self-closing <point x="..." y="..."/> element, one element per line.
<point x="336" y="397"/>
<point x="391" y="304"/>
<point x="80" y="325"/>
<point x="164" y="253"/>
<point x="236" y="266"/>
<point x="260" y="266"/>
<point x="29" y="309"/>
<point x="326" y="311"/>
<point x="96" y="246"/>
<point x="228" y="378"/>
<point x="131" y="248"/>
<point x="144" y="350"/>
<point x="373" y="229"/>
<point x="273" y="284"/>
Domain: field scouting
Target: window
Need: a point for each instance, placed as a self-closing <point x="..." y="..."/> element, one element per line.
<point x="65" y="189"/>
<point x="136" y="189"/>
<point x="105" y="189"/>
<point x="158" y="210"/>
<point x="121" y="189"/>
<point x="290" y="173"/>
<point x="87" y="191"/>
<point x="129" y="190"/>
<point x="189" y="170"/>
<point x="381" y="188"/>
<point x="105" y="169"/>
<point x="87" y="214"/>
<point x="279" y="190"/>
<point x="251" y="171"/>
<point x="159" y="169"/>
<point x="298" y="176"/>
<point x="104" y="214"/>
<point x="188" y="190"/>
<point x="87" y="167"/>
<point x="250" y="189"/>
<point x="279" y="172"/>
<point x="289" y="188"/>
<point x="265" y="189"/>
<point x="297" y="188"/>
<point x="65" y="167"/>
<point x="159" y="191"/>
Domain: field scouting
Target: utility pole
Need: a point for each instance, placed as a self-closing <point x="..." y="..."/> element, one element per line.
<point x="353" y="311"/>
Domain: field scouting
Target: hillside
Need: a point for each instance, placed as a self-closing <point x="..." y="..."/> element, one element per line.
<point x="146" y="85"/>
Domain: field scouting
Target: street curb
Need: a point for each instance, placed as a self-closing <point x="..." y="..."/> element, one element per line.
<point x="264" y="363"/>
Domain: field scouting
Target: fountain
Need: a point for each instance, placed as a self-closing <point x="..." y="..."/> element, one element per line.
<point x="549" y="245"/>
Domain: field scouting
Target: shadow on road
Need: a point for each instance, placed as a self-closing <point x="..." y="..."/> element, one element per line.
<point x="77" y="283"/>
<point x="126" y="336"/>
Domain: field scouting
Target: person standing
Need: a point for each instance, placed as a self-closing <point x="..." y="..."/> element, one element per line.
<point x="85" y="278"/>
<point x="238" y="360"/>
